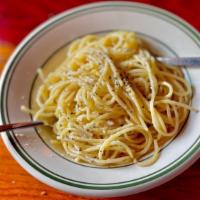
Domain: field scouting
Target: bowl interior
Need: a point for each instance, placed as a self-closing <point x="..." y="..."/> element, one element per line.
<point x="155" y="46"/>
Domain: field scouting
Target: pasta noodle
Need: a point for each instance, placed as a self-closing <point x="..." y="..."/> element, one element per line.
<point x="110" y="103"/>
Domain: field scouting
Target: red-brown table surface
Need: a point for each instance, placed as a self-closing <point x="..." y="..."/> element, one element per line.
<point x="17" y="18"/>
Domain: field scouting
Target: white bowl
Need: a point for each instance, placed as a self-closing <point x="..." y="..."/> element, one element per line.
<point x="167" y="32"/>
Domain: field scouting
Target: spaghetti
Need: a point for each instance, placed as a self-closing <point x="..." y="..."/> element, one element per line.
<point x="110" y="102"/>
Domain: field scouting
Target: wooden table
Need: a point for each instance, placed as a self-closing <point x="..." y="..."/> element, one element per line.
<point x="17" y="18"/>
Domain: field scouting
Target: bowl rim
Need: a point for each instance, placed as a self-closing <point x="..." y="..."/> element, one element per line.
<point x="187" y="158"/>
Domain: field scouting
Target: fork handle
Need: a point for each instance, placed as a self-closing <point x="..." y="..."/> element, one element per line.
<point x="181" y="61"/>
<point x="7" y="127"/>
